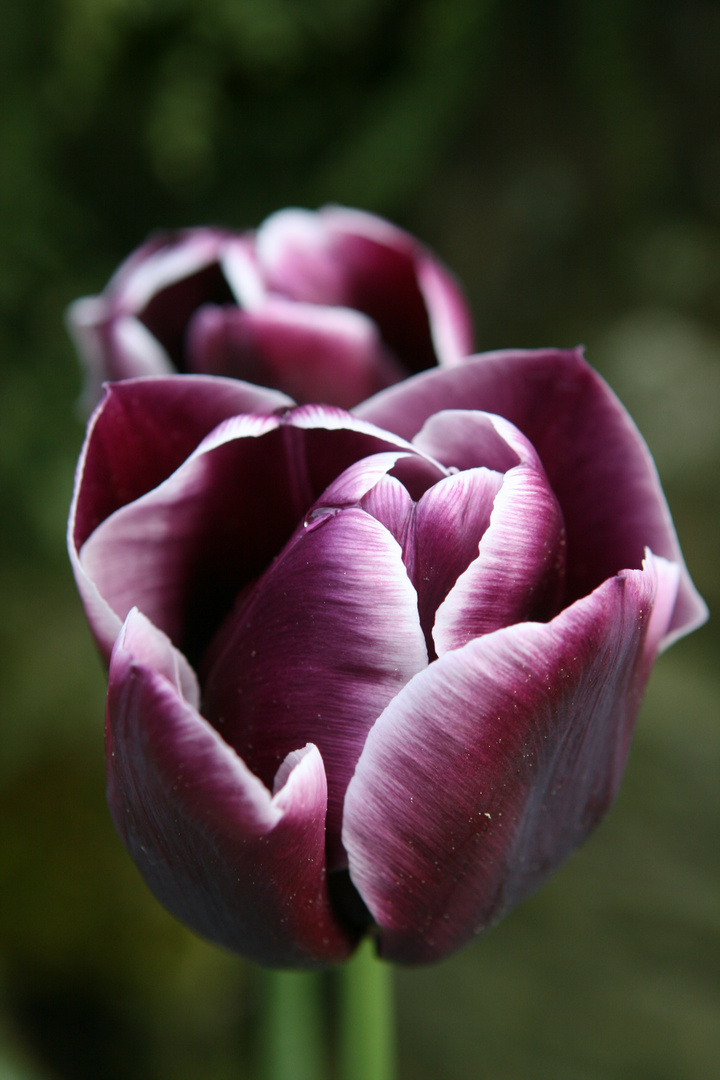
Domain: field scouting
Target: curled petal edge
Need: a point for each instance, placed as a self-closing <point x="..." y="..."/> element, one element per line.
<point x="491" y="765"/>
<point x="241" y="866"/>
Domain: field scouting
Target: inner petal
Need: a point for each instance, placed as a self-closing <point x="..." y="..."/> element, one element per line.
<point x="314" y="653"/>
<point x="519" y="572"/>
<point x="444" y="535"/>
<point x="169" y="311"/>
<point x="315" y="353"/>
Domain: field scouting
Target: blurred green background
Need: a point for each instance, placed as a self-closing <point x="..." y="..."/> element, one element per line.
<point x="564" y="159"/>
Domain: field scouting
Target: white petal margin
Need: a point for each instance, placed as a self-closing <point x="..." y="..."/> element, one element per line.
<point x="491" y="765"/>
<point x="239" y="865"/>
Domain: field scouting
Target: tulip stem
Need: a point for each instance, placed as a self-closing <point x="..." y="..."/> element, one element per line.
<point x="294" y="1038"/>
<point x="367" y="1018"/>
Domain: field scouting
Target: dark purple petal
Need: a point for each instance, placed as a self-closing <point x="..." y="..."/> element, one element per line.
<point x="143" y="430"/>
<point x="162" y="261"/>
<point x="390" y="502"/>
<point x="240" y="866"/>
<point x="137" y="325"/>
<point x="183" y="551"/>
<point x="316" y="650"/>
<point x="313" y="353"/>
<point x="519" y="572"/>
<point x="168" y="313"/>
<point x="489" y="767"/>
<point x="442" y="537"/>
<point x="352" y="259"/>
<point x="596" y="460"/>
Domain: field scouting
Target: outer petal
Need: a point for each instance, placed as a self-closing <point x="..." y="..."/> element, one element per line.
<point x="596" y="460"/>
<point x="183" y="551"/>
<point x="353" y="259"/>
<point x="312" y="352"/>
<point x="137" y="325"/>
<point x="493" y="764"/>
<point x="161" y="262"/>
<point x="241" y="867"/>
<point x="141" y="432"/>
<point x="119" y="349"/>
<point x="316" y="651"/>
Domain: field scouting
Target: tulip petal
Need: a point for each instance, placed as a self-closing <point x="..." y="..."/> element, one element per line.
<point x="312" y="352"/>
<point x="491" y="588"/>
<point x="519" y="572"/>
<point x="141" y="432"/>
<point x="153" y="290"/>
<point x="164" y="280"/>
<point x="596" y="460"/>
<point x="489" y="767"/>
<point x="467" y="439"/>
<point x="316" y="650"/>
<point x="112" y="348"/>
<point x="443" y="538"/>
<point x="165" y="260"/>
<point x="242" y="867"/>
<point x="352" y="259"/>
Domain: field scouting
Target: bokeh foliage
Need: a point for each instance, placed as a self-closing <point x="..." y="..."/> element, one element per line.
<point x="565" y="160"/>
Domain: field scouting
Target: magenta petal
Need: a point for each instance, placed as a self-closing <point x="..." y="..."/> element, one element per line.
<point x="596" y="460"/>
<point x="467" y="439"/>
<point x="240" y="866"/>
<point x="489" y="767"/>
<point x="314" y="353"/>
<point x="389" y="501"/>
<point x="317" y="650"/>
<point x="144" y="429"/>
<point x="164" y="260"/>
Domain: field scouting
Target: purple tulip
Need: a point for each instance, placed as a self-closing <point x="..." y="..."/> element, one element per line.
<point x="373" y="672"/>
<point x="329" y="306"/>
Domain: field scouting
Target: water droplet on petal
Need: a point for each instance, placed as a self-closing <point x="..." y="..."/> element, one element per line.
<point x="319" y="514"/>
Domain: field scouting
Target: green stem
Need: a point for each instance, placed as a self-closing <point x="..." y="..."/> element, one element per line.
<point x="367" y="1020"/>
<point x="293" y="1037"/>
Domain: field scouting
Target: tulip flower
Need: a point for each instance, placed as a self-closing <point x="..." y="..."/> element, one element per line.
<point x="371" y="672"/>
<point x="329" y="306"/>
